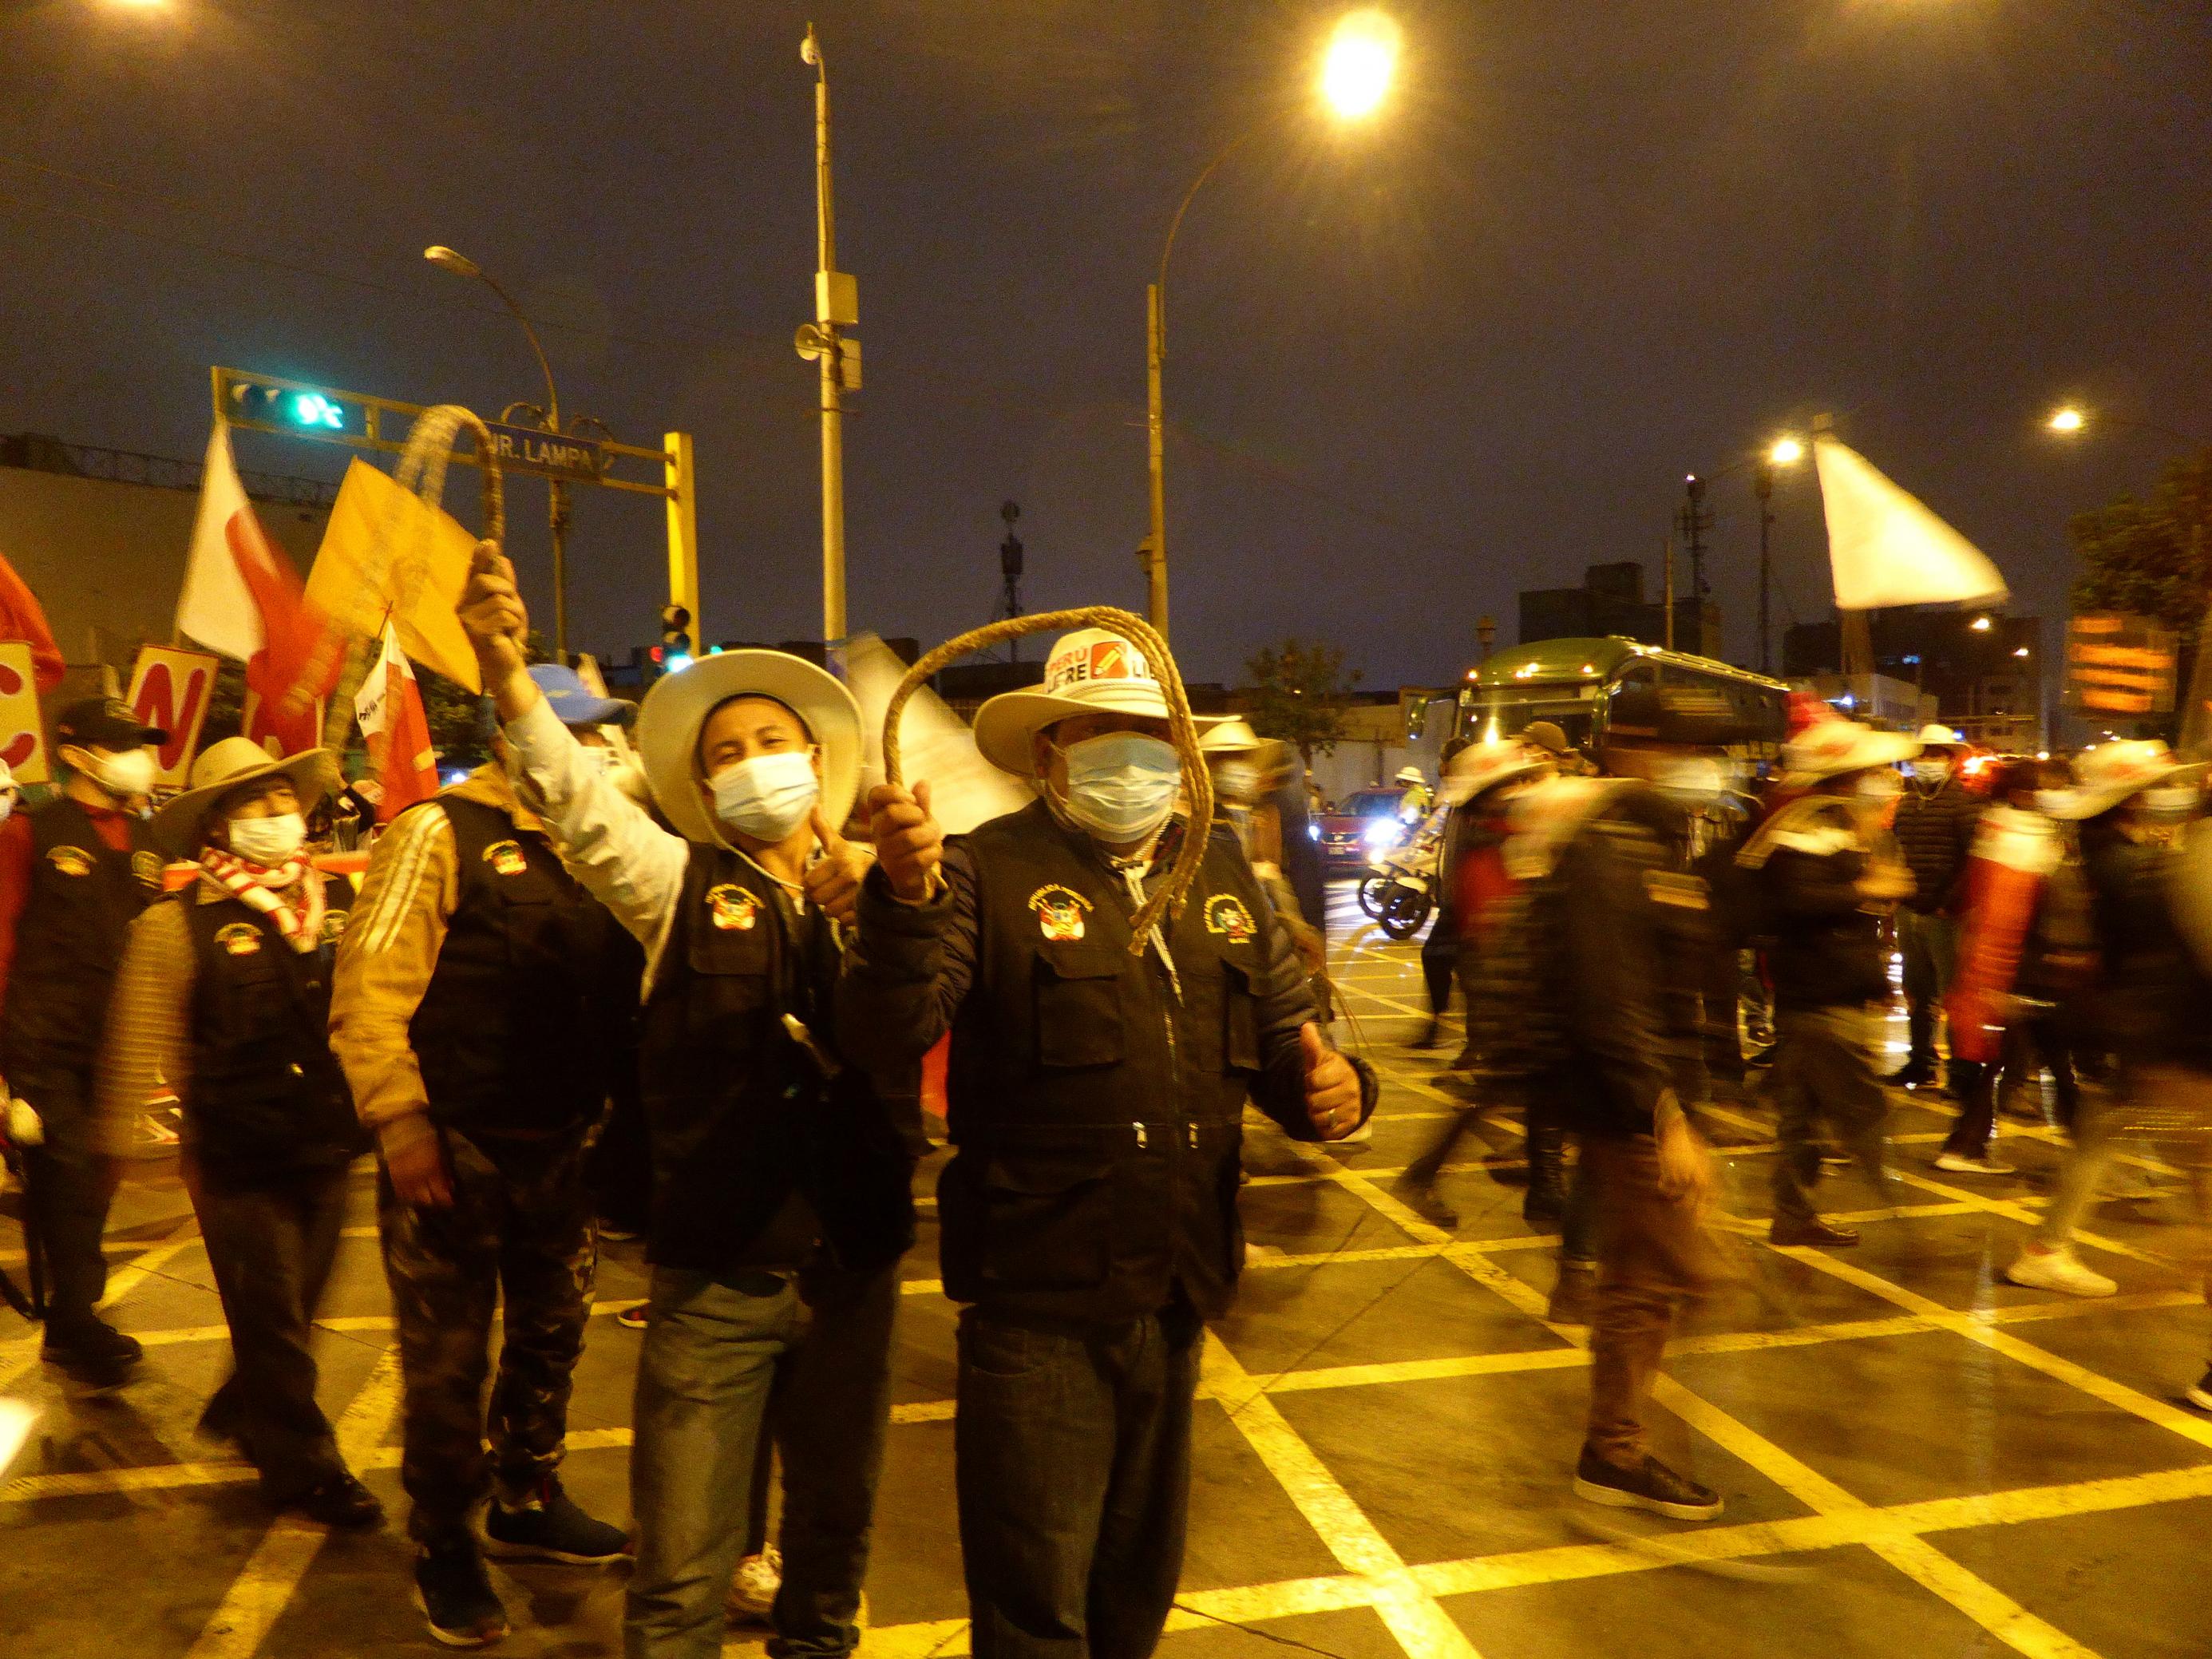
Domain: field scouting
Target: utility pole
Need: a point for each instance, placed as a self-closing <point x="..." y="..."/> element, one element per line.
<point x="1667" y="627"/>
<point x="1155" y="554"/>
<point x="1696" y="519"/>
<point x="836" y="308"/>
<point x="1010" y="568"/>
<point x="1762" y="483"/>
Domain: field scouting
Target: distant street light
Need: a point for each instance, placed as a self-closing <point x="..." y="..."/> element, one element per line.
<point x="1786" y="451"/>
<point x="1357" y="68"/>
<point x="2065" y="419"/>
<point x="460" y="264"/>
<point x="1980" y="624"/>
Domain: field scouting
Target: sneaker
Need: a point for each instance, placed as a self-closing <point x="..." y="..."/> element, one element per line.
<point x="1915" y="1074"/>
<point x="1572" y="1293"/>
<point x="632" y="1318"/>
<point x="1989" y="1163"/>
<point x="455" y="1593"/>
<point x="549" y="1527"/>
<point x="92" y="1352"/>
<point x="2058" y="1270"/>
<point x="1812" y="1231"/>
<point x="2199" y="1392"/>
<point x="753" y="1587"/>
<point x="1652" y="1486"/>
<point x="341" y="1502"/>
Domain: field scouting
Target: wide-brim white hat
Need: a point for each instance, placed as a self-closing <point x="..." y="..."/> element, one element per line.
<point x="1227" y="734"/>
<point x="668" y="721"/>
<point x="1483" y="766"/>
<point x="1092" y="671"/>
<point x="1829" y="749"/>
<point x="2108" y="773"/>
<point x="232" y="764"/>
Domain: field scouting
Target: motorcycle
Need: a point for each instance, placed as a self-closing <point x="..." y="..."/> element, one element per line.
<point x="1400" y="891"/>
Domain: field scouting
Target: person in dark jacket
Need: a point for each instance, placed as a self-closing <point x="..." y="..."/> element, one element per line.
<point x="781" y="1191"/>
<point x="74" y="875"/>
<point x="223" y="994"/>
<point x="1935" y="829"/>
<point x="1613" y="939"/>
<point x="1440" y="946"/>
<point x="2150" y="1006"/>
<point x="1826" y="876"/>
<point x="1088" y="1215"/>
<point x="478" y="1002"/>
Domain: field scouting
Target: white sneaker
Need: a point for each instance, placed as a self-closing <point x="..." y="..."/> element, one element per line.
<point x="2199" y="1392"/>
<point x="2058" y="1270"/>
<point x="1988" y="1164"/>
<point x="753" y="1587"/>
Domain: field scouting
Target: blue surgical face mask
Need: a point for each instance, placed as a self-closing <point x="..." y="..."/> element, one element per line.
<point x="766" y="797"/>
<point x="1122" y="786"/>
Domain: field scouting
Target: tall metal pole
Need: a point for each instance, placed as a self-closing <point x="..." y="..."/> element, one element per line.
<point x="1762" y="484"/>
<point x="1155" y="548"/>
<point x="1668" y="629"/>
<point x="833" y="369"/>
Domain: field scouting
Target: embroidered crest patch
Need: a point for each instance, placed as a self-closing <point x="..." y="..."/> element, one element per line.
<point x="506" y="857"/>
<point x="1226" y="914"/>
<point x="1060" y="911"/>
<point x="732" y="908"/>
<point x="146" y="866"/>
<point x="334" y="927"/>
<point x="240" y="939"/>
<point x="70" y="861"/>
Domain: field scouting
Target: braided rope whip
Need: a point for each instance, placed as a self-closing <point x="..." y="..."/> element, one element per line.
<point x="1168" y="897"/>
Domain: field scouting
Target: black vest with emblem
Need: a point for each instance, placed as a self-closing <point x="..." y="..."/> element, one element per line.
<point x="534" y="980"/>
<point x="1096" y="1101"/>
<point x="267" y="1095"/>
<point x="757" y="1151"/>
<point x="83" y="896"/>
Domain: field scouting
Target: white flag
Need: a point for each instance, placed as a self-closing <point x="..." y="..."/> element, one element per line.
<point x="217" y="608"/>
<point x="1886" y="548"/>
<point x="371" y="704"/>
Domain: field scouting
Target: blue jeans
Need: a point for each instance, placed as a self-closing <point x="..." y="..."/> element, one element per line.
<point x="1071" y="1462"/>
<point x="812" y="1358"/>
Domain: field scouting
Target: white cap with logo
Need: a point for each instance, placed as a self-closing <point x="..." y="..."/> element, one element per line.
<point x="1092" y="671"/>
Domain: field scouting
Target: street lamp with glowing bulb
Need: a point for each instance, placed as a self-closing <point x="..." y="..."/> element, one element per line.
<point x="2069" y="419"/>
<point x="1361" y="62"/>
<point x="1786" y="451"/>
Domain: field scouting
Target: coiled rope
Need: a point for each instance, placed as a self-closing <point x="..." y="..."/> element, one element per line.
<point x="1168" y="897"/>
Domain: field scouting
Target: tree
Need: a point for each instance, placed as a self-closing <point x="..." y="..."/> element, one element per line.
<point x="1297" y="694"/>
<point x="2153" y="557"/>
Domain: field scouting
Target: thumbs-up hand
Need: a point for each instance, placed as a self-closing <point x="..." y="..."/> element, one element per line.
<point x="1332" y="1086"/>
<point x="494" y="617"/>
<point x="910" y="845"/>
<point x="833" y="881"/>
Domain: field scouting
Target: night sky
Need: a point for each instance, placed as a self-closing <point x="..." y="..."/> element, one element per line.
<point x="1591" y="244"/>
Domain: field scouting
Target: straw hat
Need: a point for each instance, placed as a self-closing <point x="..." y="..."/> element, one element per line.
<point x="1483" y="766"/>
<point x="2107" y="775"/>
<point x="1941" y="737"/>
<point x="230" y="765"/>
<point x="1092" y="671"/>
<point x="1829" y="749"/>
<point x="1229" y="734"/>
<point x="668" y="721"/>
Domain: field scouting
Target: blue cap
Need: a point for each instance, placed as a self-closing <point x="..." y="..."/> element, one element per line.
<point x="573" y="701"/>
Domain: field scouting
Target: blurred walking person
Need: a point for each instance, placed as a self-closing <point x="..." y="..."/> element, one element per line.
<point x="223" y="993"/>
<point x="1826" y="875"/>
<point x="1935" y="827"/>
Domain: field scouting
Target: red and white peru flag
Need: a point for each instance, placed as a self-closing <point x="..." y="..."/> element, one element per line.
<point x="243" y="597"/>
<point x="397" y="729"/>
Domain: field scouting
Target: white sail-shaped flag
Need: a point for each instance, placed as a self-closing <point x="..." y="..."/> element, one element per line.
<point x="1886" y="548"/>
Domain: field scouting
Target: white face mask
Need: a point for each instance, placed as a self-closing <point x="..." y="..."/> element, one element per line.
<point x="1931" y="771"/>
<point x="1882" y="784"/>
<point x="2169" y="801"/>
<point x="268" y="842"/>
<point x="767" y="797"/>
<point x="1122" y="786"/>
<point x="1236" y="781"/>
<point x="132" y="772"/>
<point x="7" y="804"/>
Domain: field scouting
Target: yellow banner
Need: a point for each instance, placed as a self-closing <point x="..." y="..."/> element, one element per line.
<point x="421" y="579"/>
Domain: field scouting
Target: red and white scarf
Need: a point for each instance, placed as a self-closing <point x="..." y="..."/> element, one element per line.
<point x="291" y="896"/>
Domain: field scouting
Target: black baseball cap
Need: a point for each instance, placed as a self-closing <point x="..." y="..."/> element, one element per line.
<point x="104" y="723"/>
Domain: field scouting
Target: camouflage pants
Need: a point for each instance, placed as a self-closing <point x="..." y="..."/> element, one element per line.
<point x="519" y="1228"/>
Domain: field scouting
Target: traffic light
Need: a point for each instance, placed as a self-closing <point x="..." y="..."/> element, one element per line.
<point x="295" y="407"/>
<point x="675" y="637"/>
